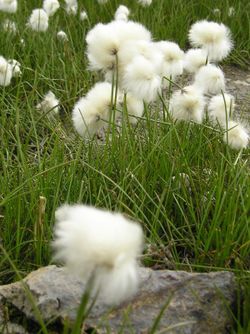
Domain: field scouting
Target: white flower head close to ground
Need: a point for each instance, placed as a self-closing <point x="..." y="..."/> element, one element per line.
<point x="62" y="36"/>
<point x="187" y="105"/>
<point x="16" y="67"/>
<point x="210" y="79"/>
<point x="51" y="6"/>
<point x="8" y="6"/>
<point x="83" y="15"/>
<point x="71" y="7"/>
<point x="214" y="38"/>
<point x="38" y="20"/>
<point x="9" y="26"/>
<point x="6" y="72"/>
<point x="92" y="112"/>
<point x="144" y="3"/>
<point x="122" y="13"/>
<point x="141" y="79"/>
<point x="102" y="2"/>
<point x="49" y="104"/>
<point x="194" y="59"/>
<point x="237" y="137"/>
<point x="101" y="245"/>
<point x="220" y="109"/>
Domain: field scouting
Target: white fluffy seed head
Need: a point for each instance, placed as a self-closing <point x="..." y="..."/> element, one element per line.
<point x="129" y="31"/>
<point x="187" y="105"/>
<point x="237" y="137"/>
<point x="144" y="3"/>
<point x="135" y="107"/>
<point x="6" y="72"/>
<point x="213" y="37"/>
<point x="83" y="15"/>
<point x="105" y="40"/>
<point x="38" y="20"/>
<point x="131" y="49"/>
<point x="61" y="35"/>
<point x="141" y="79"/>
<point x="122" y="13"/>
<point x="49" y="103"/>
<point x="194" y="59"/>
<point x="92" y="112"/>
<point x="210" y="79"/>
<point x="172" y="65"/>
<point x="71" y="7"/>
<point x="220" y="108"/>
<point x="16" y="67"/>
<point x="102" y="47"/>
<point x="9" y="26"/>
<point x="106" y="245"/>
<point x="51" y="6"/>
<point x="8" y="6"/>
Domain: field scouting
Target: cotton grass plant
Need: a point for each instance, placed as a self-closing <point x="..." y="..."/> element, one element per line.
<point x="204" y="223"/>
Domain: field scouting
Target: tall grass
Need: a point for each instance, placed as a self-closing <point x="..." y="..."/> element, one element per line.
<point x="203" y="218"/>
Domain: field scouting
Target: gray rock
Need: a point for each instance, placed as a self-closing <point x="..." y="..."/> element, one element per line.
<point x="191" y="302"/>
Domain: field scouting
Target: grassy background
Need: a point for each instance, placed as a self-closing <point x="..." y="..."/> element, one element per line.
<point x="199" y="225"/>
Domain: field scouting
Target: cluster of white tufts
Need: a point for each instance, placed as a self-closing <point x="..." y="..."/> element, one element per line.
<point x="39" y="18"/>
<point x="101" y="246"/>
<point x="141" y="69"/>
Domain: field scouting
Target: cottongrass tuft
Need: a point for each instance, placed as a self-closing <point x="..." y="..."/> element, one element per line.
<point x="102" y="2"/>
<point x="102" y="47"/>
<point x="8" y="6"/>
<point x="51" y="6"/>
<point x="5" y="72"/>
<point x="38" y="20"/>
<point x="210" y="79"/>
<point x="236" y="136"/>
<point x="83" y="15"/>
<point x="9" y="26"/>
<point x="71" y="7"/>
<point x="62" y="36"/>
<point x="105" y="40"/>
<point x="100" y="245"/>
<point x="49" y="104"/>
<point x="172" y="64"/>
<point x="16" y="68"/>
<point x="187" y="105"/>
<point x="93" y="111"/>
<point x="213" y="37"/>
<point x="122" y="13"/>
<point x="220" y="109"/>
<point x="194" y="59"/>
<point x="144" y="3"/>
<point x="135" y="108"/>
<point x="141" y="79"/>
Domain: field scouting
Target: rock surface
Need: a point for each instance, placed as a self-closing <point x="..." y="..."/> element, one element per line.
<point x="191" y="303"/>
<point x="238" y="84"/>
